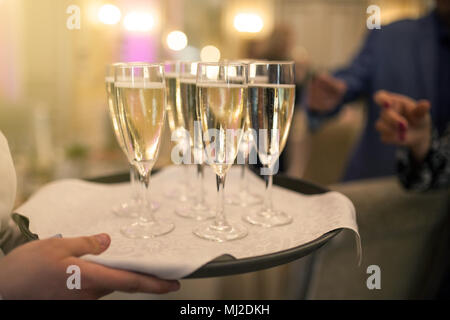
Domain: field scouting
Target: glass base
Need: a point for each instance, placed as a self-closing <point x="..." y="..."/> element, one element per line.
<point x="146" y="230"/>
<point x="219" y="233"/>
<point x="244" y="199"/>
<point x="268" y="219"/>
<point x="131" y="209"/>
<point x="197" y="212"/>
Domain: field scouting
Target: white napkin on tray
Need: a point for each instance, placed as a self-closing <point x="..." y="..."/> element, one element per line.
<point x="76" y="208"/>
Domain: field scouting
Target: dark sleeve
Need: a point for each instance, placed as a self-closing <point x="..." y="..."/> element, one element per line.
<point x="357" y="76"/>
<point x="433" y="172"/>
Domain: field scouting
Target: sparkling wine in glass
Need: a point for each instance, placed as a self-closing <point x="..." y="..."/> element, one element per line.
<point x="141" y="99"/>
<point x="244" y="197"/>
<point x="222" y="94"/>
<point x="177" y="126"/>
<point x="198" y="209"/>
<point x="129" y="208"/>
<point x="271" y="91"/>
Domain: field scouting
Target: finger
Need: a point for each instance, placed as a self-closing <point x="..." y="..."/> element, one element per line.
<point x="104" y="278"/>
<point x="394" y="119"/>
<point x="397" y="105"/>
<point x="86" y="245"/>
<point x="314" y="99"/>
<point x="330" y="83"/>
<point x="311" y="94"/>
<point x="384" y="128"/>
<point x="422" y="108"/>
<point x="403" y="98"/>
<point x="406" y="106"/>
<point x="384" y="99"/>
<point x="389" y="134"/>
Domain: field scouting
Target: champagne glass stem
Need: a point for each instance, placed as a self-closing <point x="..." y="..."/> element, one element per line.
<point x="268" y="194"/>
<point x="200" y="194"/>
<point x="134" y="183"/>
<point x="220" y="214"/>
<point x="146" y="212"/>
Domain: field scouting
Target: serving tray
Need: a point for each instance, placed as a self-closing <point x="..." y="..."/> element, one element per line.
<point x="228" y="265"/>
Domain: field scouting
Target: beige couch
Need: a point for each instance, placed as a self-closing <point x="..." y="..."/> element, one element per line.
<point x="405" y="234"/>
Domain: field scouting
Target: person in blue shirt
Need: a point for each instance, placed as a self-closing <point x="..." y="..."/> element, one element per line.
<point x="423" y="158"/>
<point x="408" y="57"/>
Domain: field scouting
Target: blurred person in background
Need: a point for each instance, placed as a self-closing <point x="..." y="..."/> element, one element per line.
<point x="423" y="157"/>
<point x="408" y="57"/>
<point x="37" y="270"/>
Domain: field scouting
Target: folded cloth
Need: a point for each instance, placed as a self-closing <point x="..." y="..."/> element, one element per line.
<point x="76" y="208"/>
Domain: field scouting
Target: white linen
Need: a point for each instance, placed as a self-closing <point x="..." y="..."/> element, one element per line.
<point x="75" y="208"/>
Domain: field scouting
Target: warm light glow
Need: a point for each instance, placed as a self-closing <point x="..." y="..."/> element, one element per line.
<point x="248" y="22"/>
<point x="212" y="72"/>
<point x="139" y="21"/>
<point x="109" y="14"/>
<point x="176" y="40"/>
<point x="210" y="54"/>
<point x="231" y="71"/>
<point x="252" y="71"/>
<point x="194" y="66"/>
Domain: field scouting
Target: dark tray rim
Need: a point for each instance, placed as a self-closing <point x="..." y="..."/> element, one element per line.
<point x="232" y="266"/>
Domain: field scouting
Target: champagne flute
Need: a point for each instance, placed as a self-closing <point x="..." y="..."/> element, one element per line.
<point x="271" y="93"/>
<point x="244" y="197"/>
<point x="222" y="100"/>
<point x="141" y="101"/>
<point x="177" y="125"/>
<point x="130" y="208"/>
<point x="199" y="209"/>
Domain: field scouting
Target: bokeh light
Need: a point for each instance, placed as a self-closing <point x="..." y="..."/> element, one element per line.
<point x="248" y="22"/>
<point x="176" y="40"/>
<point x="109" y="14"/>
<point x="210" y="54"/>
<point x="139" y="21"/>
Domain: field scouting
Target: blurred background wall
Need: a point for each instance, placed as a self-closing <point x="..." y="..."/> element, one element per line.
<point x="52" y="97"/>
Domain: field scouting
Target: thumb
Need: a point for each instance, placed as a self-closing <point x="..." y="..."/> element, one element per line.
<point x="421" y="109"/>
<point x="87" y="245"/>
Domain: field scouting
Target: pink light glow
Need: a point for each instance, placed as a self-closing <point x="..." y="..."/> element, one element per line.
<point x="138" y="47"/>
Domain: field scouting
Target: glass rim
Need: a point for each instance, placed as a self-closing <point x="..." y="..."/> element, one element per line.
<point x="115" y="64"/>
<point x="273" y="62"/>
<point x="138" y="64"/>
<point x="179" y="62"/>
<point x="189" y="61"/>
<point x="223" y="63"/>
<point x="193" y="65"/>
<point x="245" y="61"/>
<point x="171" y="62"/>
